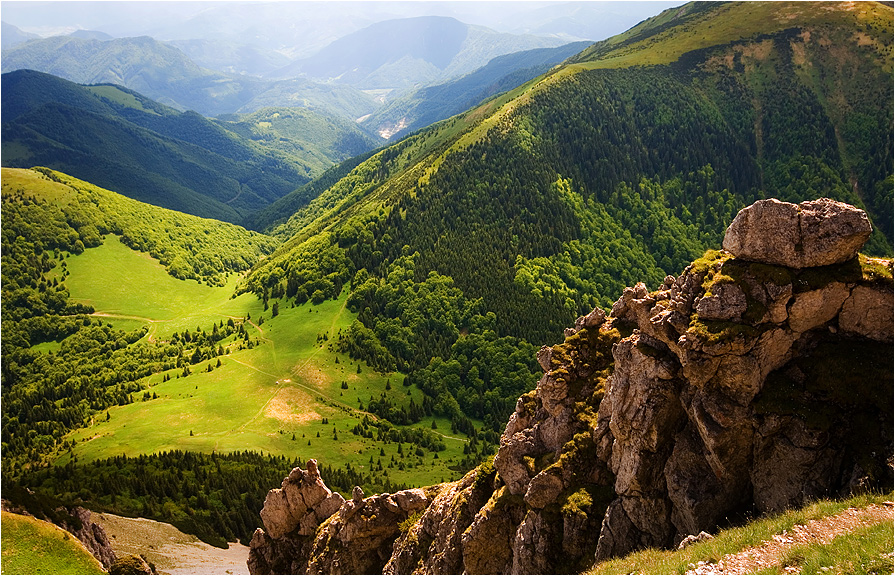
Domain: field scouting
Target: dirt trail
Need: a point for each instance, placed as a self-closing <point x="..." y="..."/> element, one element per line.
<point x="822" y="531"/>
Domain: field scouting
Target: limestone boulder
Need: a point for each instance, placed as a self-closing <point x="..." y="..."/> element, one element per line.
<point x="814" y="233"/>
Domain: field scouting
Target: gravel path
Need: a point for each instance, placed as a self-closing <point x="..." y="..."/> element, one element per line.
<point x="822" y="531"/>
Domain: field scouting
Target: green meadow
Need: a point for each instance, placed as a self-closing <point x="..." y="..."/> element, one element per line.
<point x="32" y="546"/>
<point x="272" y="397"/>
<point x="130" y="289"/>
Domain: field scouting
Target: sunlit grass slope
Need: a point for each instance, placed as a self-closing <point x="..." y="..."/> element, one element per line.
<point x="55" y="204"/>
<point x="676" y="31"/>
<point x="32" y="546"/>
<point x="131" y="288"/>
<point x="271" y="398"/>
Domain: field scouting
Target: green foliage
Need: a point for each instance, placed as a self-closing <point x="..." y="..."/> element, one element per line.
<point x="320" y="140"/>
<point x="271" y="218"/>
<point x="94" y="367"/>
<point x="315" y="270"/>
<point x="867" y="550"/>
<point x="59" y="211"/>
<point x="406" y="525"/>
<point x="216" y="497"/>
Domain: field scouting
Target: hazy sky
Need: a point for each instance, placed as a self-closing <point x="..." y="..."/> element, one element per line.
<point x="172" y="20"/>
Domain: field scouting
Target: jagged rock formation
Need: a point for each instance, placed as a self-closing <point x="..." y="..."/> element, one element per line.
<point x="310" y="529"/>
<point x="93" y="536"/>
<point x="743" y="385"/>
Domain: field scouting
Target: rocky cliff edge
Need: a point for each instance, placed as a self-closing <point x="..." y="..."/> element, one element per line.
<point x="759" y="378"/>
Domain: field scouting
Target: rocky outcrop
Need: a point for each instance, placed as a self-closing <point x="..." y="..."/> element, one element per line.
<point x="310" y="529"/>
<point x="813" y="233"/>
<point x="92" y="535"/>
<point x="741" y="386"/>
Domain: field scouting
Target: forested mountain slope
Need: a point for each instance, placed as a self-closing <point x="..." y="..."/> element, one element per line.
<point x="320" y="140"/>
<point x="499" y="226"/>
<point x="124" y="141"/>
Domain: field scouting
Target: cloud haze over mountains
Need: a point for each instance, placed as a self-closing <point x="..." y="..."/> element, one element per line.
<point x="300" y="28"/>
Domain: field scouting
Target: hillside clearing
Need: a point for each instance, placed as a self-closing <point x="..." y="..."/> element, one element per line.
<point x="271" y="397"/>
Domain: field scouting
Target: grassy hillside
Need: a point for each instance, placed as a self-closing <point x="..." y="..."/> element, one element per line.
<point x="32" y="546"/>
<point x="107" y="354"/>
<point x="67" y="214"/>
<point x="500" y="225"/>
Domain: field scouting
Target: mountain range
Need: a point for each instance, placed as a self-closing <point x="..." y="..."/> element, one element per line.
<point x="397" y="54"/>
<point x="166" y="74"/>
<point x="12" y="35"/>
<point x="430" y="104"/>
<point x="407" y="289"/>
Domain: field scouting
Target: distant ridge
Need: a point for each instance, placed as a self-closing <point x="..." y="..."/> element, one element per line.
<point x="125" y="142"/>
<point x="401" y="53"/>
<point x="164" y="73"/>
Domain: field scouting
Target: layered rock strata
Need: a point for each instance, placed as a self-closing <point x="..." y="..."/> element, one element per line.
<point x="759" y="378"/>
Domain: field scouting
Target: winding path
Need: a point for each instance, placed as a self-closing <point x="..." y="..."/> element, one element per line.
<point x="770" y="554"/>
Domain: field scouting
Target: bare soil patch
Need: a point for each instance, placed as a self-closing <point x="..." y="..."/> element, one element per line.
<point x="821" y="531"/>
<point x="172" y="551"/>
<point x="312" y="375"/>
<point x="292" y="406"/>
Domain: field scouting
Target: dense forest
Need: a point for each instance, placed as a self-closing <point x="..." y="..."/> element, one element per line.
<point x="216" y="497"/>
<point x="481" y="236"/>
